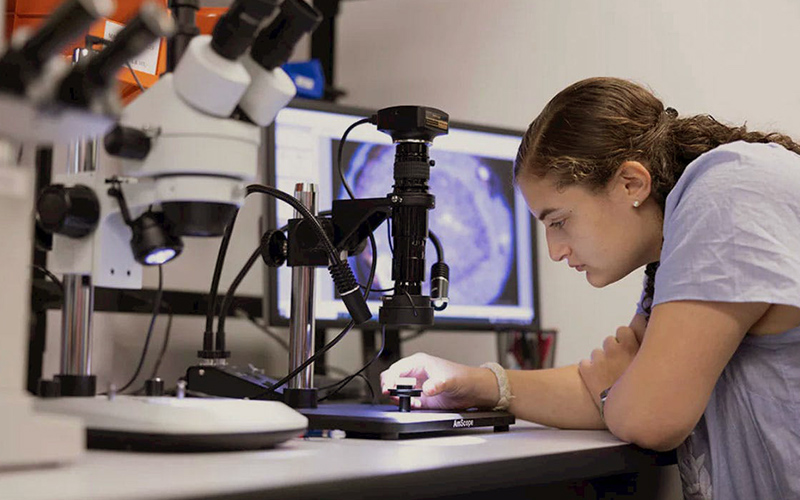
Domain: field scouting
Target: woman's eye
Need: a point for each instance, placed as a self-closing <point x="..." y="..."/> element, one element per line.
<point x="557" y="224"/>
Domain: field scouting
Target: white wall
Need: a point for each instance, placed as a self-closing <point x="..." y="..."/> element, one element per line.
<point x="499" y="62"/>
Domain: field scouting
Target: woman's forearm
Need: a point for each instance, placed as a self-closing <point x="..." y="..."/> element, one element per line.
<point x="556" y="397"/>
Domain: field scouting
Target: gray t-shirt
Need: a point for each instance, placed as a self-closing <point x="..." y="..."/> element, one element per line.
<point x="732" y="234"/>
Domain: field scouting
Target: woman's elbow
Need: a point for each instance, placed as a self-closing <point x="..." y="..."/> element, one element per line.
<point x="651" y="437"/>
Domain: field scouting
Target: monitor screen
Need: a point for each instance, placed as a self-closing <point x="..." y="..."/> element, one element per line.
<point x="481" y="220"/>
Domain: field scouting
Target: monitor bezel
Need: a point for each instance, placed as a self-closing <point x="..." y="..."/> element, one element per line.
<point x="270" y="307"/>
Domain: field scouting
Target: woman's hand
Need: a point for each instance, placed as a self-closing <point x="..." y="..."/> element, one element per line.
<point x="445" y="385"/>
<point x="609" y="363"/>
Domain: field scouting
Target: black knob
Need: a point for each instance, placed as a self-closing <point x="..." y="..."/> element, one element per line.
<point x="274" y="248"/>
<point x="154" y="387"/>
<point x="127" y="142"/>
<point x="404" y="394"/>
<point x="49" y="388"/>
<point x="71" y="211"/>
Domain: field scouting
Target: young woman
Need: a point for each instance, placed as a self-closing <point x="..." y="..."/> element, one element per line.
<point x="710" y="363"/>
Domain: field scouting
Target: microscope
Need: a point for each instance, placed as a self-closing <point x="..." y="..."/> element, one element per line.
<point x="349" y="226"/>
<point x="188" y="147"/>
<point x="44" y="101"/>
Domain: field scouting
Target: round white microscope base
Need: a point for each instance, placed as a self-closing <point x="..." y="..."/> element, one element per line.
<point x="31" y="439"/>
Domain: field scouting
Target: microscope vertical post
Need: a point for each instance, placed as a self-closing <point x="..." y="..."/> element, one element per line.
<point x="300" y="392"/>
<point x="76" y="316"/>
<point x="76" y="329"/>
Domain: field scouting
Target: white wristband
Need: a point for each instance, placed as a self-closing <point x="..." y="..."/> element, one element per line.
<point x="502" y="383"/>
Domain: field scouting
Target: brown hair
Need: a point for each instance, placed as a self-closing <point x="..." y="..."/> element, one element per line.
<point x="589" y="129"/>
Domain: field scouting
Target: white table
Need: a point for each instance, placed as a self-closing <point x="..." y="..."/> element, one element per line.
<point x="472" y="461"/>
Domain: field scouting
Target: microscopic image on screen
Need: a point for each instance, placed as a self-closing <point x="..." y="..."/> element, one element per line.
<point x="473" y="218"/>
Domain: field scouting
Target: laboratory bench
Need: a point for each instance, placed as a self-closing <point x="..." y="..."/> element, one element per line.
<point x="528" y="461"/>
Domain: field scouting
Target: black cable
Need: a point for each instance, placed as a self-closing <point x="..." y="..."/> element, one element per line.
<point x="208" y="335"/>
<point x="331" y="250"/>
<point x="156" y="307"/>
<point x="305" y="212"/>
<point x="324" y="213"/>
<point x="165" y="344"/>
<point x="226" y="302"/>
<point x="135" y="78"/>
<point x="389" y="237"/>
<point x="50" y="275"/>
<point x="329" y="345"/>
<point x="347" y="380"/>
<point x="359" y="375"/>
<point x="377" y="290"/>
<point x="372" y="119"/>
<point x="307" y="362"/>
<point x="437" y="244"/>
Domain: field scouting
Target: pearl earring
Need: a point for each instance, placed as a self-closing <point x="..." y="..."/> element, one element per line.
<point x="635" y="203"/>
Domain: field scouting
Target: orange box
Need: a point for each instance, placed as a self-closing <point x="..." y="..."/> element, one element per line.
<point x="125" y="8"/>
<point x="124" y="75"/>
<point x="128" y="88"/>
<point x="16" y="21"/>
<point x="10" y="18"/>
<point x="207" y="18"/>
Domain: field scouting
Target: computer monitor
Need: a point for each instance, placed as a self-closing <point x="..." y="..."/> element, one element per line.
<point x="481" y="219"/>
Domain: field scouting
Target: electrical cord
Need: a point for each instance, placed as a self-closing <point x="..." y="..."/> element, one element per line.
<point x="334" y="255"/>
<point x="50" y="275"/>
<point x="437" y="244"/>
<point x="271" y="389"/>
<point x="294" y="203"/>
<point x="226" y="302"/>
<point x="305" y="212"/>
<point x="285" y="345"/>
<point x="135" y="78"/>
<point x="156" y="308"/>
<point x="324" y="213"/>
<point x="208" y="334"/>
<point x="373" y="119"/>
<point x="341" y="384"/>
<point x="165" y="344"/>
<point x="359" y="375"/>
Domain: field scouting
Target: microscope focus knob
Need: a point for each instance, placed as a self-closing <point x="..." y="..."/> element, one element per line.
<point x="154" y="387"/>
<point x="274" y="248"/>
<point x="127" y="142"/>
<point x="70" y="211"/>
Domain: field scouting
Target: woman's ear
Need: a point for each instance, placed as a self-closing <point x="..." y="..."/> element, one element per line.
<point x="633" y="182"/>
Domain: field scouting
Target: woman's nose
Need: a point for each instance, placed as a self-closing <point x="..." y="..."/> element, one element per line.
<point x="558" y="251"/>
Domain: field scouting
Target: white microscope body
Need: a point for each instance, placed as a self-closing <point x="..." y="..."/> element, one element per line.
<point x="191" y="161"/>
<point x="30" y="438"/>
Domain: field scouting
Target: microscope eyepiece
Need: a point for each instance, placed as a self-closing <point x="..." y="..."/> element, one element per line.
<point x="150" y="24"/>
<point x="21" y="66"/>
<point x="95" y="74"/>
<point x="234" y="32"/>
<point x="274" y="44"/>
<point x="70" y="20"/>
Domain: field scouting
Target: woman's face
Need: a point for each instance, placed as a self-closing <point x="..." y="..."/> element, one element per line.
<point x="602" y="234"/>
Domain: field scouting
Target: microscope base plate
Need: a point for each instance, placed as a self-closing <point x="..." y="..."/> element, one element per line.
<point x="32" y="439"/>
<point x="387" y="422"/>
<point x="180" y="424"/>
